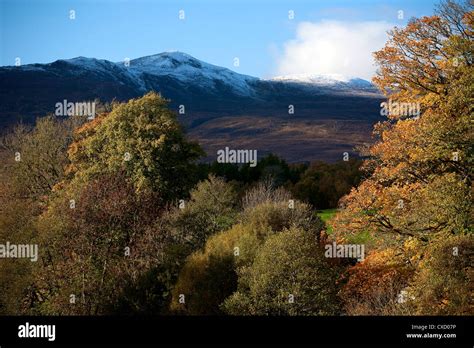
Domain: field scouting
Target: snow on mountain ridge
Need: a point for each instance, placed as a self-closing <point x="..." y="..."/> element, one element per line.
<point x="178" y="65"/>
<point x="323" y="79"/>
<point x="89" y="63"/>
<point x="165" y="57"/>
<point x="186" y="68"/>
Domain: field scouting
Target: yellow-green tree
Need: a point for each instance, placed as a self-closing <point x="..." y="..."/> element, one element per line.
<point x="97" y="232"/>
<point x="289" y="276"/>
<point x="33" y="160"/>
<point x="144" y="139"/>
<point x="210" y="275"/>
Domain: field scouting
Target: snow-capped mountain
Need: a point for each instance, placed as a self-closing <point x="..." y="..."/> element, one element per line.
<point x="177" y="75"/>
<point x="333" y="80"/>
<point x="142" y="73"/>
<point x="188" y="69"/>
<point x="219" y="103"/>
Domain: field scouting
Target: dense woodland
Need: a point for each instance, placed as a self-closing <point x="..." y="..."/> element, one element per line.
<point x="129" y="221"/>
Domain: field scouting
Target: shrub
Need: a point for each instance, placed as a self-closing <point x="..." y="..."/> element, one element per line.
<point x="289" y="276"/>
<point x="374" y="285"/>
<point x="210" y="276"/>
<point x="443" y="283"/>
<point x="211" y="208"/>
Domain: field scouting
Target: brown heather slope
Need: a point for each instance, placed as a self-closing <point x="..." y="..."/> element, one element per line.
<point x="295" y="139"/>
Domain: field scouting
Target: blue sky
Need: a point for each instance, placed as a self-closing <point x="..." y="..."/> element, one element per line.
<point x="259" y="33"/>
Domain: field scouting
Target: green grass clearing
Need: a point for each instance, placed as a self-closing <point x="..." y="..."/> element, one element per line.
<point x="326" y="215"/>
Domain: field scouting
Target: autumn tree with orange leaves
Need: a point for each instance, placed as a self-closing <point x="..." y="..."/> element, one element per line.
<point x="421" y="167"/>
<point x="419" y="185"/>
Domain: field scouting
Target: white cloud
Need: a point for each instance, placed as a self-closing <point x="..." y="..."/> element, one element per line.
<point x="334" y="47"/>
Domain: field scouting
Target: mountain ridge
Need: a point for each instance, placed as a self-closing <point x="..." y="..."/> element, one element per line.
<point x="220" y="105"/>
<point x="183" y="66"/>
